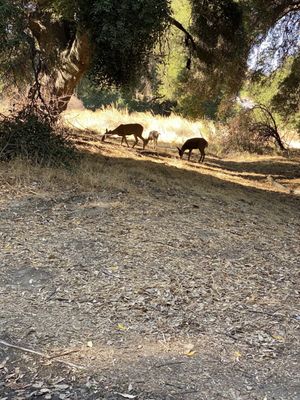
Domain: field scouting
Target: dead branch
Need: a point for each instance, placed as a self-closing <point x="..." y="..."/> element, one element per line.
<point x="44" y="355"/>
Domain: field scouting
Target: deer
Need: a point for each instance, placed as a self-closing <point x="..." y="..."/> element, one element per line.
<point x="126" y="130"/>
<point x="153" y="135"/>
<point x="194" y="143"/>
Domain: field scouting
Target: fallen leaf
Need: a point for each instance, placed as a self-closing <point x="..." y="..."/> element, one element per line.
<point x="61" y="386"/>
<point x="190" y="353"/>
<point x="130" y="387"/>
<point x="121" y="327"/>
<point x="278" y="337"/>
<point x="44" y="391"/>
<point x="237" y="355"/>
<point x="126" y="396"/>
<point x="189" y="349"/>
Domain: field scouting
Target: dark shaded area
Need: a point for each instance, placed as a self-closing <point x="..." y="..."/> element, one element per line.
<point x="279" y="169"/>
<point x="177" y="256"/>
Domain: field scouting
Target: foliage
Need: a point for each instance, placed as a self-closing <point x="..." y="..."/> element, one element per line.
<point x="287" y="99"/>
<point x="115" y="41"/>
<point x="279" y="91"/>
<point x="239" y="137"/>
<point x="218" y="60"/>
<point x="94" y="97"/>
<point x="271" y="50"/>
<point x="27" y="134"/>
<point x="263" y="18"/>
<point x="172" y="65"/>
<point x="252" y="130"/>
<point x="124" y="34"/>
<point x="14" y="42"/>
<point x="225" y="31"/>
<point x="220" y="34"/>
<point x="194" y="77"/>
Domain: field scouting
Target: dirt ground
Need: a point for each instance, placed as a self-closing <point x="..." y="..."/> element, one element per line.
<point x="172" y="280"/>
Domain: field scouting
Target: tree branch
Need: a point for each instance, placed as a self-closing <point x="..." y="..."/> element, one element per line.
<point x="178" y="25"/>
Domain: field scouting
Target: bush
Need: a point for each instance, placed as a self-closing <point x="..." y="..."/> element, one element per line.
<point x="254" y="131"/>
<point x="239" y="137"/>
<point x="27" y="134"/>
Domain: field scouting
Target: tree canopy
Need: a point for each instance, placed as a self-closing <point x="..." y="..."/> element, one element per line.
<point x="55" y="42"/>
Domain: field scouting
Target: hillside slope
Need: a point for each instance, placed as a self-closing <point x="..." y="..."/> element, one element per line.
<point x="164" y="279"/>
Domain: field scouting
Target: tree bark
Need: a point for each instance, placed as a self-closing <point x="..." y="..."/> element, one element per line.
<point x="65" y="57"/>
<point x="73" y="64"/>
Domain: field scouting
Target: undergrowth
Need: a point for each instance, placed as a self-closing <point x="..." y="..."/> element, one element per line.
<point x="28" y="135"/>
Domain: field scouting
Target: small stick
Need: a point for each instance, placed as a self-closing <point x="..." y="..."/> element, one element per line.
<point x="65" y="353"/>
<point x="41" y="354"/>
<point x="111" y="274"/>
<point x="170" y="363"/>
<point x="185" y="393"/>
<point x="270" y="314"/>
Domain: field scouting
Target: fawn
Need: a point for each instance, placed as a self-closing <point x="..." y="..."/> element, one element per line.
<point x="126" y="130"/>
<point x="194" y="143"/>
<point x="153" y="135"/>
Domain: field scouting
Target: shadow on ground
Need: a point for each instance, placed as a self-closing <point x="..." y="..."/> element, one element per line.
<point x="164" y="279"/>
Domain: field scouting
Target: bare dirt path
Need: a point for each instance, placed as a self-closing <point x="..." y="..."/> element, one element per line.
<point x="185" y="285"/>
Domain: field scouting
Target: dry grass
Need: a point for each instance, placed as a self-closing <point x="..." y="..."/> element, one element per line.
<point x="173" y="277"/>
<point x="173" y="129"/>
<point x="110" y="166"/>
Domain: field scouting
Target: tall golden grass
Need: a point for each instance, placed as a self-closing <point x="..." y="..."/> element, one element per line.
<point x="173" y="129"/>
<point x="118" y="168"/>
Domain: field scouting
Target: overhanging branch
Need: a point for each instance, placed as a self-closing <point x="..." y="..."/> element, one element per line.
<point x="178" y="25"/>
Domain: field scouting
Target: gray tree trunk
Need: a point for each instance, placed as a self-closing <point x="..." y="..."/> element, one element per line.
<point x="63" y="59"/>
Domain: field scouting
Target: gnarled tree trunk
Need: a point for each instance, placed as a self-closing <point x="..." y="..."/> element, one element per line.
<point x="73" y="64"/>
<point x="60" y="59"/>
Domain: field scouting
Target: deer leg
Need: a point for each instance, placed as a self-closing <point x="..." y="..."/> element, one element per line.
<point x="189" y="156"/>
<point x="144" y="142"/>
<point x="124" y="137"/>
<point x="136" y="141"/>
<point x="201" y="156"/>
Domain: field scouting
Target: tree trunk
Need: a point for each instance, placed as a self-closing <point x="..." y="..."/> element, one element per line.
<point x="73" y="64"/>
<point x="63" y="57"/>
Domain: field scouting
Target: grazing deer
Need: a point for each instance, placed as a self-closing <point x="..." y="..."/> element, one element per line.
<point x="153" y="135"/>
<point x="126" y="130"/>
<point x="195" y="143"/>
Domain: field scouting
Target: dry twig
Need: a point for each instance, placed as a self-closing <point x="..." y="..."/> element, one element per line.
<point x="4" y="343"/>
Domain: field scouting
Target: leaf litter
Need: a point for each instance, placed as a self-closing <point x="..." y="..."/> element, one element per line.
<point x="173" y="293"/>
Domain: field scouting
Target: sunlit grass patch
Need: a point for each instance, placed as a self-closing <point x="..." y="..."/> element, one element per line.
<point x="173" y="129"/>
